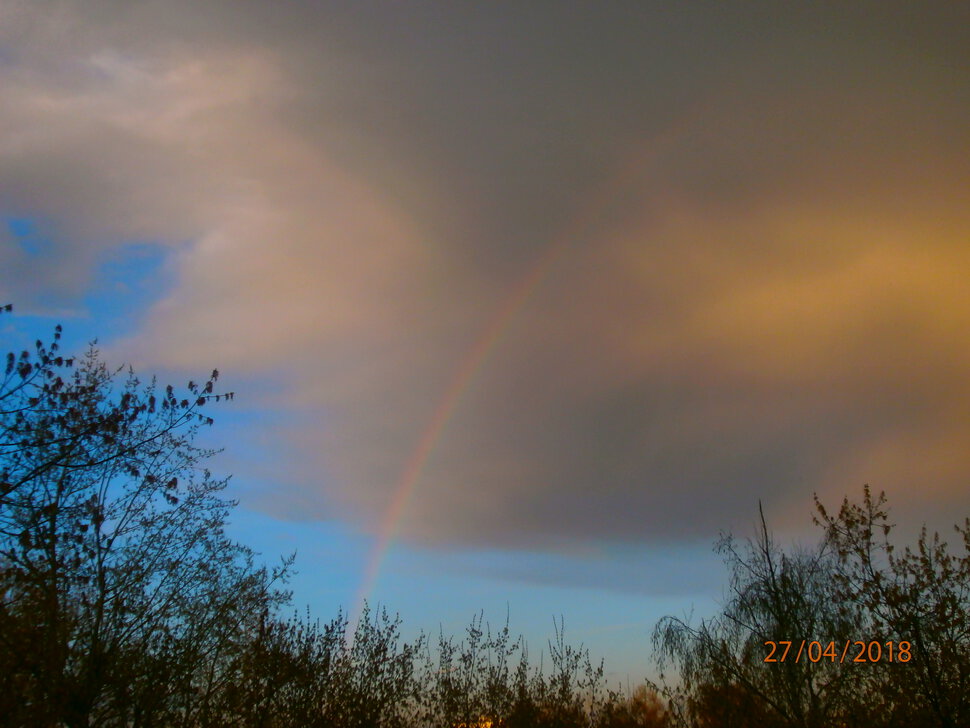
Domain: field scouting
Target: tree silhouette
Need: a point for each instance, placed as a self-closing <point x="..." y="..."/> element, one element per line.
<point x="891" y="630"/>
<point x="920" y="596"/>
<point x="774" y="597"/>
<point x="121" y="593"/>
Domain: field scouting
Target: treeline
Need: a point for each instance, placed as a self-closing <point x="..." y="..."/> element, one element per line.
<point x="124" y="603"/>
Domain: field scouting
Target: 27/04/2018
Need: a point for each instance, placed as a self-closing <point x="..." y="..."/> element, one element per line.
<point x="863" y="651"/>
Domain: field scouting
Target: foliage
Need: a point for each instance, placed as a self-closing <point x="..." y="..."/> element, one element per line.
<point x="919" y="595"/>
<point x="121" y="594"/>
<point x="854" y="588"/>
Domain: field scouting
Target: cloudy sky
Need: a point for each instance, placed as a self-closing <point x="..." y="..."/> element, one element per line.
<point x="523" y="303"/>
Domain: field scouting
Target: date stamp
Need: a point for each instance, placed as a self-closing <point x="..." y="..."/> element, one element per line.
<point x="851" y="651"/>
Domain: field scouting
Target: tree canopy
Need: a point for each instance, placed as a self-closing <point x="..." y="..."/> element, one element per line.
<point x="121" y="590"/>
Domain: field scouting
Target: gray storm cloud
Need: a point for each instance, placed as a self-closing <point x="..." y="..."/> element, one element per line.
<point x="758" y="221"/>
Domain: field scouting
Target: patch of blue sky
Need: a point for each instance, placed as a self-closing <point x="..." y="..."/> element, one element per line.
<point x="252" y="433"/>
<point x="25" y="324"/>
<point x="27" y="234"/>
<point x="329" y="557"/>
<point x="129" y="279"/>
<point x="19" y="332"/>
<point x="681" y="571"/>
<point x="273" y="515"/>
<point x="19" y="226"/>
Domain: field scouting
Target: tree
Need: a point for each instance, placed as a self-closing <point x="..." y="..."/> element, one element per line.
<point x="920" y="597"/>
<point x="892" y="628"/>
<point x="122" y="596"/>
<point x="775" y="598"/>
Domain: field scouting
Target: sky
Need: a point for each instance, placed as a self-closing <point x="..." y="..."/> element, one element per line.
<point x="523" y="304"/>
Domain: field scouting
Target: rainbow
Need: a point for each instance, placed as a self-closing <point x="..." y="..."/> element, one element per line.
<point x="485" y="344"/>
